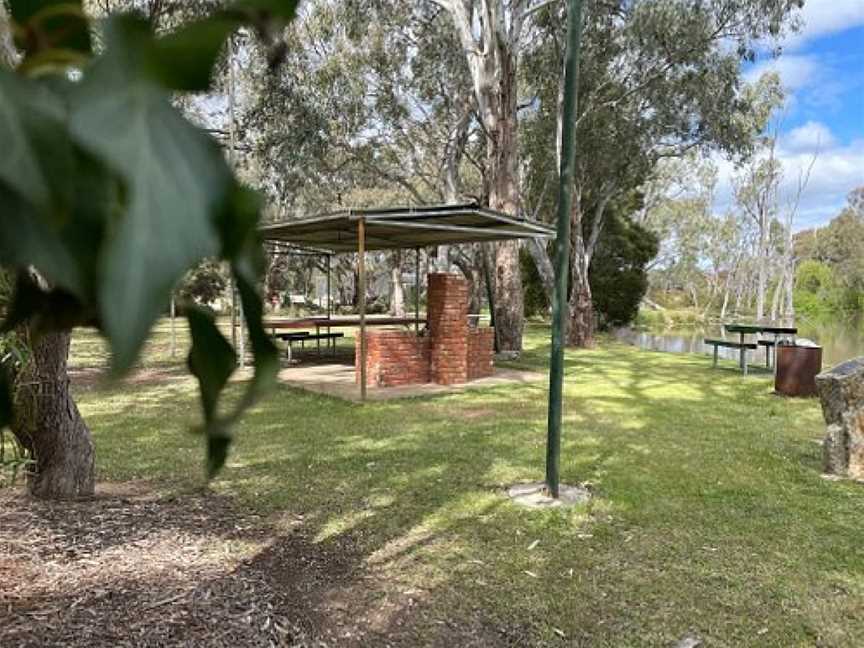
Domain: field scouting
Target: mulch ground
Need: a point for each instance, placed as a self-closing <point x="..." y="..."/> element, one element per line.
<point x="132" y="568"/>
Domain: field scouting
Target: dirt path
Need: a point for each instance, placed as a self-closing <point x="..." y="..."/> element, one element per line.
<point x="131" y="568"/>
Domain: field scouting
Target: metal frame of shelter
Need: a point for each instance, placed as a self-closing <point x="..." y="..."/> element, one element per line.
<point x="362" y="230"/>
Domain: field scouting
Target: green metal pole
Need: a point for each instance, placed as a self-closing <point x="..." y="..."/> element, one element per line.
<point x="562" y="245"/>
<point x="361" y="255"/>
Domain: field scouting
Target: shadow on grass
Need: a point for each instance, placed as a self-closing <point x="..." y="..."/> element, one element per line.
<point x="695" y="471"/>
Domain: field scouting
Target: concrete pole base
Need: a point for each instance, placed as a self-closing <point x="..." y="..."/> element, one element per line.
<point x="534" y="495"/>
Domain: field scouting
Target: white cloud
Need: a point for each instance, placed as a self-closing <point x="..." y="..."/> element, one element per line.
<point x="811" y="137"/>
<point x="836" y="171"/>
<point x="824" y="17"/>
<point x="796" y="71"/>
<point x="817" y="86"/>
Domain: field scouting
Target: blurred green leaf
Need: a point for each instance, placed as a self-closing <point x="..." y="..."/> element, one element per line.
<point x="176" y="180"/>
<point x="284" y="9"/>
<point x="111" y="195"/>
<point x="45" y="309"/>
<point x="218" y="443"/>
<point x="265" y="352"/>
<point x="184" y="59"/>
<point x="36" y="179"/>
<point x="36" y="148"/>
<point x="211" y="359"/>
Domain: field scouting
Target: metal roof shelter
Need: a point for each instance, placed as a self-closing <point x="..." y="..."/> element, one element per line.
<point x="362" y="230"/>
<point x="404" y="228"/>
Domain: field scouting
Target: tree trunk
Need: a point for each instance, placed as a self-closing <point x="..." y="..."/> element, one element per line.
<point x="739" y="290"/>
<point x="762" y="272"/>
<point x="48" y="423"/>
<point x="581" y="328"/>
<point x="504" y="196"/>
<point x="725" y="299"/>
<point x="471" y="265"/>
<point x="789" y="310"/>
<point x="490" y="34"/>
<point x="537" y="250"/>
<point x="775" y="300"/>
<point x="397" y="292"/>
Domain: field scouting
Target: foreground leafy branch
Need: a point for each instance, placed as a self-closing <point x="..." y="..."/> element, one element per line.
<point x="108" y="195"/>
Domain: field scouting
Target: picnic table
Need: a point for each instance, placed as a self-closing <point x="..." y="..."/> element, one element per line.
<point x="322" y="321"/>
<point x="752" y="329"/>
<point x="319" y="322"/>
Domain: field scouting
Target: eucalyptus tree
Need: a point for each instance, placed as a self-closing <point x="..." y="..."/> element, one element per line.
<point x="659" y="78"/>
<point x="493" y="37"/>
<point x="756" y="194"/>
<point x="378" y="111"/>
<point x="370" y="112"/>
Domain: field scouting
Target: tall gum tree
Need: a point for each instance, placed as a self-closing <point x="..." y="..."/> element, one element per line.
<point x="491" y="33"/>
<point x="658" y="79"/>
<point x="378" y="110"/>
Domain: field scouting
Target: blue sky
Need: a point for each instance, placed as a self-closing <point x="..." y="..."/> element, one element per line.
<point x="822" y="70"/>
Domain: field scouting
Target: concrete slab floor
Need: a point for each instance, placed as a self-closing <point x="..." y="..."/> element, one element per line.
<point x="337" y="379"/>
<point x="534" y="495"/>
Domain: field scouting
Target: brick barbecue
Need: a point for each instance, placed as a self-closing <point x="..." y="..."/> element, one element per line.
<point x="450" y="353"/>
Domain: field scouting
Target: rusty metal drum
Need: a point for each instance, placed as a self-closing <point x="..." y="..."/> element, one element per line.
<point x="797" y="367"/>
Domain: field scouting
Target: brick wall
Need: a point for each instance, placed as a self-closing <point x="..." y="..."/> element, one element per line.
<point x="450" y="353"/>
<point x="481" y="352"/>
<point x="447" y="319"/>
<point x="394" y="357"/>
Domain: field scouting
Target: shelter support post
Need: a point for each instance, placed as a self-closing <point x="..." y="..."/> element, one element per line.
<point x="329" y="270"/>
<point x="417" y="291"/>
<point x="562" y="246"/>
<point x="490" y="291"/>
<point x="361" y="251"/>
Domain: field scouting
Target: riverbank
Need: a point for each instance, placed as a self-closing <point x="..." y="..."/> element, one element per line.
<point x="682" y="331"/>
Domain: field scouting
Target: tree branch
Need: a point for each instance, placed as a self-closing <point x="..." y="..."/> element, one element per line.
<point x="530" y="11"/>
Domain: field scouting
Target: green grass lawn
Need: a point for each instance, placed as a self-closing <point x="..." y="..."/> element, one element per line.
<point x="710" y="515"/>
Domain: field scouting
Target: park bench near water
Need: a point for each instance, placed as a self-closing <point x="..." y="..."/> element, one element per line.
<point x="742" y="346"/>
<point x="779" y="333"/>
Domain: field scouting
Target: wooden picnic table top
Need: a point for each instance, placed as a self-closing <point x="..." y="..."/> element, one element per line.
<point x="760" y="328"/>
<point x="337" y="322"/>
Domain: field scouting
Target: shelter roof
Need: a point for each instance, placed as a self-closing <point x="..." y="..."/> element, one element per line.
<point x="404" y="227"/>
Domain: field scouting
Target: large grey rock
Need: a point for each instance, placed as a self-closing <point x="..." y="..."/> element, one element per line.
<point x="841" y="391"/>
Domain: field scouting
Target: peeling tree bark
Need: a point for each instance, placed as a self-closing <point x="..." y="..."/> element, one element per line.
<point x="48" y="423"/>
<point x="580" y="332"/>
<point x="491" y="53"/>
<point x="582" y="317"/>
<point x="504" y="196"/>
<point x="538" y="252"/>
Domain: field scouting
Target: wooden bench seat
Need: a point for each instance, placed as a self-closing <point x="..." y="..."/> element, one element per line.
<point x="731" y="344"/>
<point x="302" y="336"/>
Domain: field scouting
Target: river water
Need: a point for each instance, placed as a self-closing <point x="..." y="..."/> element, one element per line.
<point x="840" y="339"/>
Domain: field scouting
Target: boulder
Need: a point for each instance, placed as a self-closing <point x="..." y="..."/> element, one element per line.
<point x="841" y="391"/>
